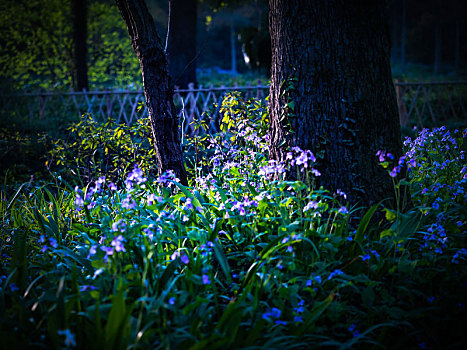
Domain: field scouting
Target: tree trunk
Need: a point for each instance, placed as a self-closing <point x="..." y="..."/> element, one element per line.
<point x="457" y="56"/>
<point x="181" y="47"/>
<point x="79" y="14"/>
<point x="332" y="59"/>
<point x="403" y="34"/>
<point x="438" y="48"/>
<point x="233" y="49"/>
<point x="157" y="89"/>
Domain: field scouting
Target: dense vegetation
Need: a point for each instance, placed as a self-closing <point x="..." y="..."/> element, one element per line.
<point x="239" y="259"/>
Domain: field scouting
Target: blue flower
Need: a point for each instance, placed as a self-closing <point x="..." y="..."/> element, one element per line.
<point x="69" y="337"/>
<point x="13" y="287"/>
<point x="336" y="272"/>
<point x="298" y="319"/>
<point x="172" y="300"/>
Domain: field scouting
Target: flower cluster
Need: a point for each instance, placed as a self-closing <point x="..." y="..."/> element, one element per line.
<point x="304" y="159"/>
<point x="51" y="241"/>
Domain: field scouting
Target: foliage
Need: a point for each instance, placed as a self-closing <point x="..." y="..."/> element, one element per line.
<point x="93" y="149"/>
<point x="37" y="46"/>
<point x="21" y="156"/>
<point x="239" y="259"/>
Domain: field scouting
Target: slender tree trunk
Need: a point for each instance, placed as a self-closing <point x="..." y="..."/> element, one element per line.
<point x="403" y="34"/>
<point x="79" y="15"/>
<point x="457" y="55"/>
<point x="181" y="48"/>
<point x="233" y="49"/>
<point x="437" y="59"/>
<point x="157" y="88"/>
<point x="332" y="59"/>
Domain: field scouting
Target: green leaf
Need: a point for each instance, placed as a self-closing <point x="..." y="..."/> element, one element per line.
<point x="220" y="256"/>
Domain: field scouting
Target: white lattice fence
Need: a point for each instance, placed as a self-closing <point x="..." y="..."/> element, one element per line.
<point x="121" y="106"/>
<point x="421" y="104"/>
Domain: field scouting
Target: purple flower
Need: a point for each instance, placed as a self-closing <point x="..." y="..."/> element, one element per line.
<point x="136" y="176"/>
<point x="86" y="287"/>
<point x="341" y="193"/>
<point x="53" y="242"/>
<point x="395" y="171"/>
<point x="148" y="232"/>
<point x="185" y="259"/>
<point x="315" y="172"/>
<point x="153" y="198"/>
<point x="92" y="251"/>
<point x="119" y="226"/>
<point x="79" y="202"/>
<point x="117" y="242"/>
<point x="172" y="300"/>
<point x="108" y="250"/>
<point x="310" y="205"/>
<point x="129" y="203"/>
<point x="166" y="178"/>
<point x="188" y="204"/>
<point x="112" y="186"/>
<point x="206" y="279"/>
<point x="343" y="210"/>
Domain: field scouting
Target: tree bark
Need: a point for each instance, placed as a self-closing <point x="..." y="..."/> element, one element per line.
<point x="332" y="59"/>
<point x="79" y="14"/>
<point x="181" y="46"/>
<point x="157" y="88"/>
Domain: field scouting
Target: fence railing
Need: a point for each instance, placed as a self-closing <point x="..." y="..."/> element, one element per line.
<point x="432" y="104"/>
<point x="421" y="104"/>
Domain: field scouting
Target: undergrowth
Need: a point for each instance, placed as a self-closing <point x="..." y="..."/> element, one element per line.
<point x="241" y="258"/>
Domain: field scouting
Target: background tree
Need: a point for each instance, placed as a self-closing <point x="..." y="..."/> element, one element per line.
<point x="157" y="89"/>
<point x="331" y="85"/>
<point x="80" y="15"/>
<point x="181" y="46"/>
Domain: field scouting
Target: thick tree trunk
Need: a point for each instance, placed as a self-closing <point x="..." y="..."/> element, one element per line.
<point x="181" y="47"/>
<point x="157" y="89"/>
<point x="79" y="14"/>
<point x="332" y="59"/>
